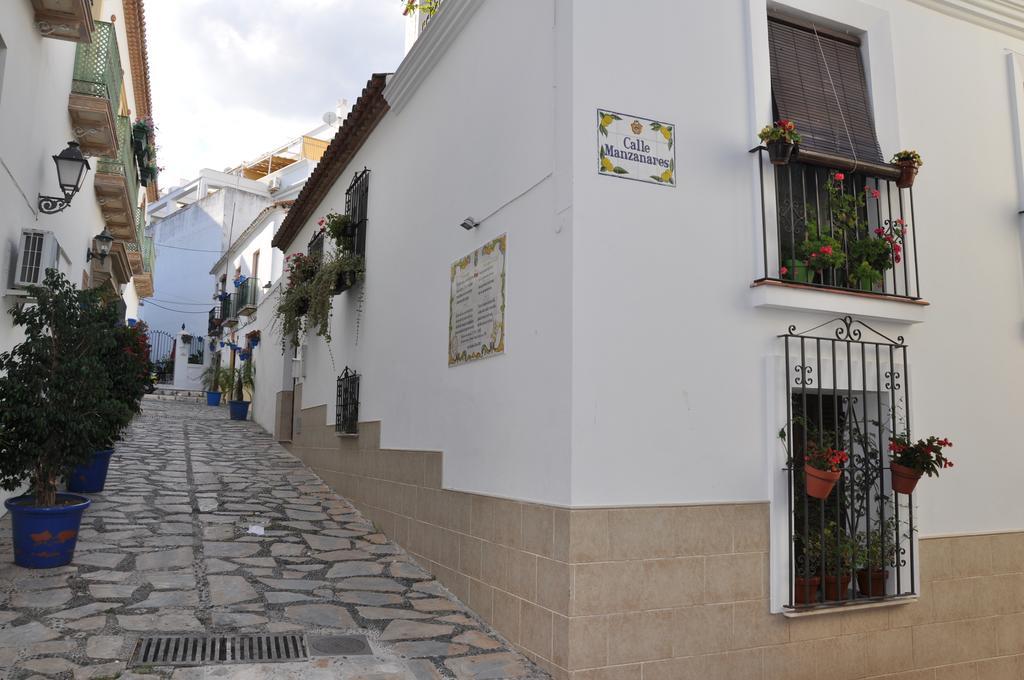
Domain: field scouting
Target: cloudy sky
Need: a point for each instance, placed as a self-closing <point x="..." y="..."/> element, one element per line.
<point x="234" y="78"/>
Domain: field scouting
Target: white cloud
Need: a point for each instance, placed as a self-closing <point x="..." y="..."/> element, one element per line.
<point x="234" y="78"/>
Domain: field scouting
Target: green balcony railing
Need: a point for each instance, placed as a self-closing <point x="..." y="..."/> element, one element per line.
<point x="98" y="66"/>
<point x="148" y="254"/>
<point x="124" y="164"/>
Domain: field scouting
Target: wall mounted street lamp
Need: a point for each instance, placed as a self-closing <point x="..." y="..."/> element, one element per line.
<point x="102" y="242"/>
<point x="469" y="223"/>
<point x="72" y="168"/>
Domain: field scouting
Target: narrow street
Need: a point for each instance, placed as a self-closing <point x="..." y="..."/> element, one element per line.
<point x="208" y="526"/>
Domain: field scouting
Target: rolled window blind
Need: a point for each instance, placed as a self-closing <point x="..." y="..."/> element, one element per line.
<point x="803" y="93"/>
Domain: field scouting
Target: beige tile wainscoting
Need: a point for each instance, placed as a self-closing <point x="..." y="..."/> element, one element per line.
<point x="670" y="593"/>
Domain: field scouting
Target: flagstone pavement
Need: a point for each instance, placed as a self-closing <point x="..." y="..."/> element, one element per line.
<point x="168" y="548"/>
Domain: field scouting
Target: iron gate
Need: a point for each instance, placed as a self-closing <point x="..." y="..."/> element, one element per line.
<point x="161" y="353"/>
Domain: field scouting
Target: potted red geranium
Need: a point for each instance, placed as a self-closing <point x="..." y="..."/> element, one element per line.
<point x="908" y="161"/>
<point x="908" y="462"/>
<point x="781" y="138"/>
<point x="823" y="466"/>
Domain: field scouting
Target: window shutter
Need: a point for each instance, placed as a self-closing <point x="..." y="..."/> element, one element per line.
<point x="803" y="92"/>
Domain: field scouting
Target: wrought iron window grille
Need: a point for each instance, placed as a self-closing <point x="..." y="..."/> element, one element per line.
<point x="346" y="418"/>
<point x="315" y="249"/>
<point x="357" y="198"/>
<point x="805" y="207"/>
<point x="846" y="390"/>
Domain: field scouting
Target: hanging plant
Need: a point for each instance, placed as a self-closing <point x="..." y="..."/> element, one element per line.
<point x="306" y="302"/>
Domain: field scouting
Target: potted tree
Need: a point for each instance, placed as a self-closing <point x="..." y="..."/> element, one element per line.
<point x="909" y="161"/>
<point x="213" y="378"/>
<point x="823" y="466"/>
<point x="876" y="552"/>
<point x="808" y="580"/>
<point x="51" y="387"/>
<point x="243" y="380"/>
<point x="837" y="555"/>
<point x="126" y="361"/>
<point x="909" y="461"/>
<point x="782" y="140"/>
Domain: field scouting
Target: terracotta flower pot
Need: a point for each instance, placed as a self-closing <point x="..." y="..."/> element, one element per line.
<point x="837" y="588"/>
<point x="819" y="483"/>
<point x="780" y="152"/>
<point x="904" y="479"/>
<point x="871" y="582"/>
<point x="908" y="173"/>
<point x="805" y="590"/>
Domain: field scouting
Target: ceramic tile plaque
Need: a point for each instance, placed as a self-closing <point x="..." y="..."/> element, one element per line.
<point x="476" y="319"/>
<point x="636" y="148"/>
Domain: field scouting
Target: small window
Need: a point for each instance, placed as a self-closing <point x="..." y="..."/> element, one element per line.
<point x="850" y="536"/>
<point x="357" y="200"/>
<point x="346" y="419"/>
<point x="256" y="265"/>
<point x="818" y="82"/>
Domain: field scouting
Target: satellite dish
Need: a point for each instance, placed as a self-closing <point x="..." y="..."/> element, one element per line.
<point x="330" y="118"/>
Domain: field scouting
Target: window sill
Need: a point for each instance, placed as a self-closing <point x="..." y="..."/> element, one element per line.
<point x="774" y="294"/>
<point x="824" y="610"/>
<point x="346" y="435"/>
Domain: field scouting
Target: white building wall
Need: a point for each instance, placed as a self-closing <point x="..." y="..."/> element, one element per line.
<point x="670" y="393"/>
<point x="478" y="135"/>
<point x="187" y="244"/>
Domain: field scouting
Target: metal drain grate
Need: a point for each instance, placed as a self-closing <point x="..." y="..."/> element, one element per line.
<point x="201" y="650"/>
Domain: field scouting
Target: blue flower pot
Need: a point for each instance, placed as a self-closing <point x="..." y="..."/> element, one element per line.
<point x="91" y="477"/>
<point x="45" y="537"/>
<point x="239" y="410"/>
<point x="213" y="398"/>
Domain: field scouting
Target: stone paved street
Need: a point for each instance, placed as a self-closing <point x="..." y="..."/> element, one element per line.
<point x="167" y="548"/>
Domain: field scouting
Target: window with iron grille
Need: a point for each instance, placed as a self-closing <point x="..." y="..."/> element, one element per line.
<point x="836" y="215"/>
<point x="316" y="247"/>
<point x="346" y="419"/>
<point x="846" y="396"/>
<point x="357" y="199"/>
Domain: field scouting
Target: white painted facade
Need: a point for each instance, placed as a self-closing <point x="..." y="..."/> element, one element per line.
<point x="36" y="76"/>
<point x="641" y="367"/>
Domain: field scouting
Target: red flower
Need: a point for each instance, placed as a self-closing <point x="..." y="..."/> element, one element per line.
<point x="827" y="250"/>
<point x="783" y="271"/>
<point x="875" y="193"/>
<point x="840" y="177"/>
<point x="879" y="231"/>
<point x="814" y="254"/>
<point x="899" y="221"/>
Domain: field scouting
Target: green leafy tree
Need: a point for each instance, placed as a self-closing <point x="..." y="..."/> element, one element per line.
<point x="55" y="391"/>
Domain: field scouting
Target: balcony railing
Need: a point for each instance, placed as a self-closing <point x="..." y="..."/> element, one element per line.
<point x="98" y="66"/>
<point x="835" y="224"/>
<point x="247" y="296"/>
<point x="227" y="310"/>
<point x="124" y="164"/>
<point x="846" y="391"/>
<point x="213" y="326"/>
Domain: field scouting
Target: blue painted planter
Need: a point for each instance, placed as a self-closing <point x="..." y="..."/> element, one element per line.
<point x="90" y="478"/>
<point x="213" y="398"/>
<point x="45" y="537"/>
<point x="239" y="410"/>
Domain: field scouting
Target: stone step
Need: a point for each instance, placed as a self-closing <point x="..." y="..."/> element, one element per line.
<point x="169" y="391"/>
<point x="175" y="397"/>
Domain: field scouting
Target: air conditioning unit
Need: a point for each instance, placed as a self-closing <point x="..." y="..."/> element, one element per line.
<point x="39" y="251"/>
<point x="275" y="184"/>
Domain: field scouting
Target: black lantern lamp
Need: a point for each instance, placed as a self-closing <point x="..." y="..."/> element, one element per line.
<point x="72" y="167"/>
<point x="102" y="242"/>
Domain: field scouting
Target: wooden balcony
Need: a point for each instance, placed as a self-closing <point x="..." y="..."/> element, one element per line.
<point x="116" y="205"/>
<point x="96" y="92"/>
<point x="93" y="122"/>
<point x="65" y="19"/>
<point x="144" y="285"/>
